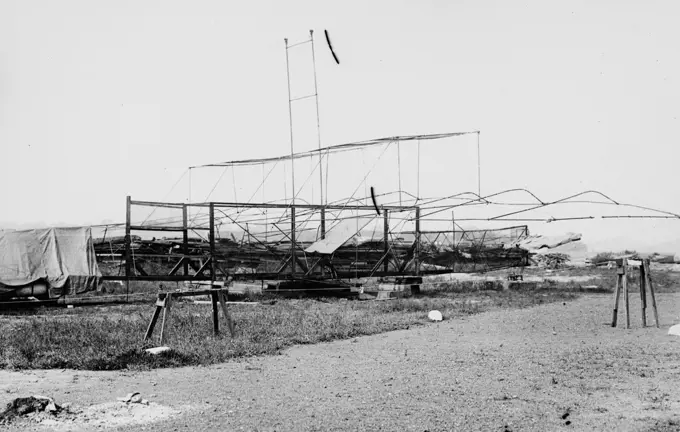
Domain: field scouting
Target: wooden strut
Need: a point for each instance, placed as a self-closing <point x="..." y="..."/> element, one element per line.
<point x="164" y="304"/>
<point x="622" y="285"/>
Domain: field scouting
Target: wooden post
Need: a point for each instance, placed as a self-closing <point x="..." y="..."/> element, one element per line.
<point x="166" y="315"/>
<point x="323" y="232"/>
<point x="386" y="239"/>
<point x="212" y="243"/>
<point x="648" y="280"/>
<point x="213" y="296"/>
<point x="292" y="239"/>
<point x="216" y="322"/>
<point x="128" y="241"/>
<point x="185" y="240"/>
<point x="626" y="303"/>
<point x="617" y="294"/>
<point x="643" y="295"/>
<point x="416" y="252"/>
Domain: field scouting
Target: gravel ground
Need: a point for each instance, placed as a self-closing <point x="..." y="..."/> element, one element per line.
<point x="552" y="367"/>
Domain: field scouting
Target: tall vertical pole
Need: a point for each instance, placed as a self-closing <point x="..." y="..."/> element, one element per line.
<point x="266" y="213"/>
<point x="399" y="168"/>
<point x="128" y="241"/>
<point x="185" y="240"/>
<point x="290" y="121"/>
<point x="318" y="124"/>
<point x="418" y="178"/>
<point x="479" y="168"/>
<point x="292" y="167"/>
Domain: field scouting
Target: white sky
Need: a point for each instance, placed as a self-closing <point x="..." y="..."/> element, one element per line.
<point x="99" y="100"/>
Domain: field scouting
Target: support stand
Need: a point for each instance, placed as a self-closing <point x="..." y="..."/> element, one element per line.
<point x="164" y="304"/>
<point x="622" y="266"/>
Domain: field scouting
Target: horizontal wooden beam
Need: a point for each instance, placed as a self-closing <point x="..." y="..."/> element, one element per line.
<point x="154" y="228"/>
<point x="268" y="205"/>
<point x="192" y="293"/>
<point x="159" y="278"/>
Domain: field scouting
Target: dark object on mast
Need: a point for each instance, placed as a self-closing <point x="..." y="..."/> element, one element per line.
<point x="328" y="40"/>
<point x="375" y="203"/>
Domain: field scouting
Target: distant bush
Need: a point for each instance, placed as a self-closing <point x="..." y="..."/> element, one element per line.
<point x="552" y="260"/>
<point x="604" y="257"/>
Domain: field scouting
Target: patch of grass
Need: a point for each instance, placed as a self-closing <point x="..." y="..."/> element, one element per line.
<point x="104" y="338"/>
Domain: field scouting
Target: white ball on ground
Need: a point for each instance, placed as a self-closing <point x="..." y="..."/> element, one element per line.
<point x="435" y="315"/>
<point x="675" y="330"/>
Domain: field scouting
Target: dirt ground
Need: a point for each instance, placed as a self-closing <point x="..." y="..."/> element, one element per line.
<point x="551" y="367"/>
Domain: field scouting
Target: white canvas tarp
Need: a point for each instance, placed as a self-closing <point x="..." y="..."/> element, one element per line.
<point x="339" y="234"/>
<point x="64" y="257"/>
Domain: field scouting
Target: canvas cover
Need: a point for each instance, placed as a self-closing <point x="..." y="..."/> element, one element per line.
<point x="64" y="257"/>
<point x="339" y="235"/>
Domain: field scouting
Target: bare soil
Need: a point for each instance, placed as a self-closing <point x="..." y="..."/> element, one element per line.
<point x="551" y="367"/>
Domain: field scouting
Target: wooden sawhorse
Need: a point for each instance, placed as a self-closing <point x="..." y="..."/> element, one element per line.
<point x="622" y="265"/>
<point x="164" y="303"/>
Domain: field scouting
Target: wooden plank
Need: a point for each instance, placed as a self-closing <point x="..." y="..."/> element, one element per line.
<point x="205" y="265"/>
<point x="192" y="293"/>
<point x="156" y="204"/>
<point x="308" y="206"/>
<point x="155" y="228"/>
<point x="266" y="205"/>
<point x="634" y="263"/>
<point x="152" y="324"/>
<point x="166" y="315"/>
<point x="180" y="263"/>
<point x="223" y="304"/>
<point x="161" y="278"/>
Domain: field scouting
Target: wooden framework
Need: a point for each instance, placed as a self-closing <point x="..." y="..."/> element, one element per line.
<point x="209" y="267"/>
<point x="285" y="257"/>
<point x="622" y="267"/>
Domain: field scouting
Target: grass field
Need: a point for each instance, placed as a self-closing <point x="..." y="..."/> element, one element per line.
<point x="110" y="337"/>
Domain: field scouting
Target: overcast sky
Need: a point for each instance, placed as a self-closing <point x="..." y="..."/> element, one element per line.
<point x="99" y="99"/>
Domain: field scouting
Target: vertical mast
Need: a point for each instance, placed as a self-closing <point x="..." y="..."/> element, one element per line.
<point x="318" y="125"/>
<point x="290" y="117"/>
